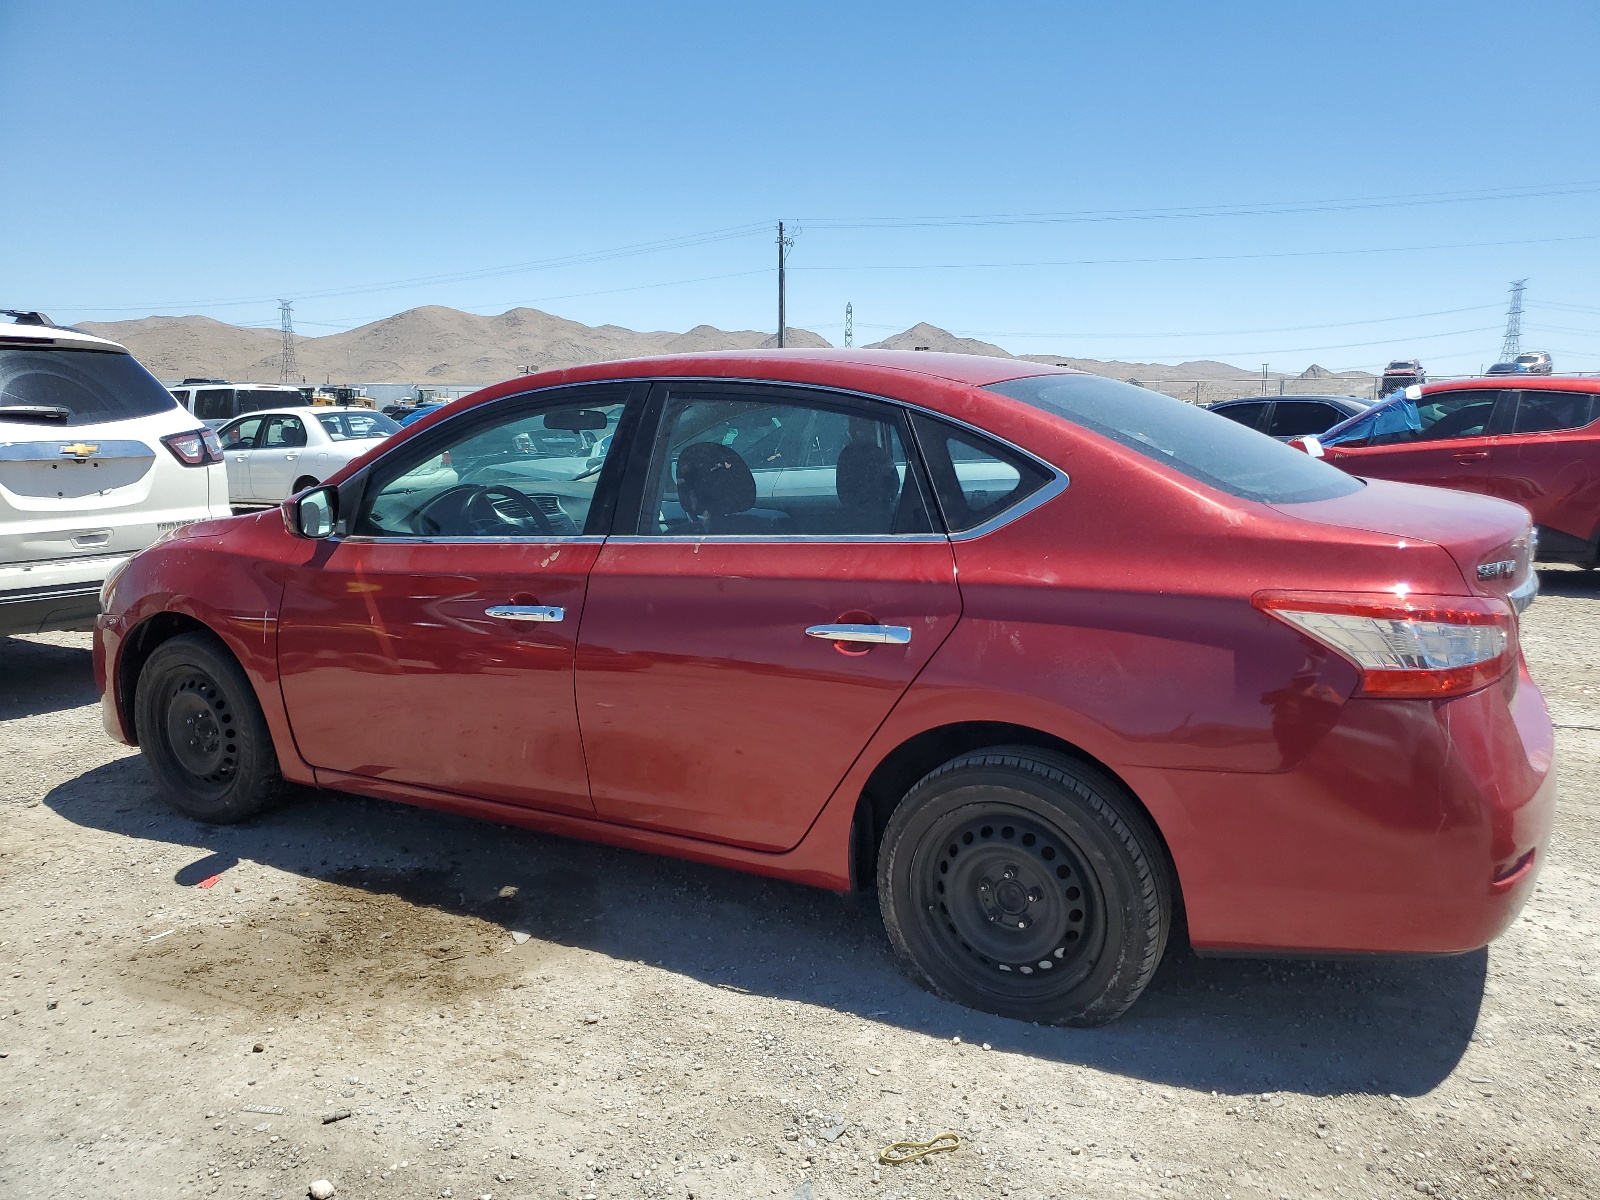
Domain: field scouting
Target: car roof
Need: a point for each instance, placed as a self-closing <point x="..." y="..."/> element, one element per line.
<point x="856" y="369"/>
<point x="234" y="383"/>
<point x="44" y="335"/>
<point x="1526" y="383"/>
<point x="302" y="409"/>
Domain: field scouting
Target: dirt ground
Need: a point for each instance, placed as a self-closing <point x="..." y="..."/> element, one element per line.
<point x="503" y="1014"/>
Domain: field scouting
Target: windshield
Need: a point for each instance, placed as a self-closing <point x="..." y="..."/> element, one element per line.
<point x="342" y="427"/>
<point x="1191" y="440"/>
<point x="62" y="388"/>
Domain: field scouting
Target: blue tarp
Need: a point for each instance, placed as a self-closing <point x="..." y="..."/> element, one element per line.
<point x="1396" y="414"/>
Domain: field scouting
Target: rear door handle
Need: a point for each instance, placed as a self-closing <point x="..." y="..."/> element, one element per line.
<point x="881" y="635"/>
<point x="1470" y="456"/>
<point x="526" y="612"/>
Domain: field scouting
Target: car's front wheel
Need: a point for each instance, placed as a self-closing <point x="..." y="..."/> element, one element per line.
<point x="1025" y="883"/>
<point x="202" y="731"/>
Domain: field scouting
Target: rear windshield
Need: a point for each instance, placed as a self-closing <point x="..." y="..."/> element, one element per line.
<point x="1191" y="440"/>
<point x="60" y="388"/>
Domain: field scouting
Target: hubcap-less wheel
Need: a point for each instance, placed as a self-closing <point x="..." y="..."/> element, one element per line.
<point x="1026" y="883"/>
<point x="200" y="730"/>
<point x="1010" y="894"/>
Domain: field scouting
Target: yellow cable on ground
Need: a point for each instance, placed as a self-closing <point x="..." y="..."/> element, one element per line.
<point x="904" y="1152"/>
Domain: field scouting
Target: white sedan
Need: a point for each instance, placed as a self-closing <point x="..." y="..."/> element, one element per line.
<point x="277" y="452"/>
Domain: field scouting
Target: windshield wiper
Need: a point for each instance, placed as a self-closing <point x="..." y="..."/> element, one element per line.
<point x="35" y="412"/>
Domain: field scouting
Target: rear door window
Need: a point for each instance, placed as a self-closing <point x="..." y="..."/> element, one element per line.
<point x="255" y="399"/>
<point x="61" y="388"/>
<point x="1297" y="418"/>
<point x="214" y="404"/>
<point x="1245" y="414"/>
<point x="1548" y="412"/>
<point x="1446" y="415"/>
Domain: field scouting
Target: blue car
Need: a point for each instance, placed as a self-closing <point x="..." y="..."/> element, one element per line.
<point x="417" y="414"/>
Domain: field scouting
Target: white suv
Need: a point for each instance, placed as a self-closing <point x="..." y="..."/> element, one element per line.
<point x="97" y="460"/>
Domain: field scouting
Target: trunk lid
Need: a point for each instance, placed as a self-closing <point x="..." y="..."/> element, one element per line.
<point x="1490" y="541"/>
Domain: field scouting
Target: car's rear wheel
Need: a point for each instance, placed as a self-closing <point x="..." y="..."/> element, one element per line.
<point x="202" y="731"/>
<point x="1025" y="883"/>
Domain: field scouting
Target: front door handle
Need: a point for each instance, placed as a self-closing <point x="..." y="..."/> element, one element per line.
<point x="1470" y="456"/>
<point x="879" y="635"/>
<point x="526" y="612"/>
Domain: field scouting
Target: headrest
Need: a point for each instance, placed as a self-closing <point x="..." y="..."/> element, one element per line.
<point x="713" y="481"/>
<point x="866" y="477"/>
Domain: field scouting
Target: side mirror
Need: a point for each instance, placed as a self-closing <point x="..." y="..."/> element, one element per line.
<point x="312" y="514"/>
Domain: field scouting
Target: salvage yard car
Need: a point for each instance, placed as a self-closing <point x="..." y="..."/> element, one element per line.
<point x="274" y="453"/>
<point x="97" y="460"/>
<point x="1285" y="417"/>
<point x="1537" y="444"/>
<point x="1052" y="659"/>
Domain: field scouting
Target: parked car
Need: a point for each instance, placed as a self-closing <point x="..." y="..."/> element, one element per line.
<point x="1537" y="444"/>
<point x="273" y="454"/>
<point x="218" y="403"/>
<point x="1537" y="362"/>
<point x="1401" y="373"/>
<point x="420" y="411"/>
<point x="96" y="461"/>
<point x="1285" y="417"/>
<point x="1049" y="657"/>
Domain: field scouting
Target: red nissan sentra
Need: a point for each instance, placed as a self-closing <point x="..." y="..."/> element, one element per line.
<point x="1047" y="656"/>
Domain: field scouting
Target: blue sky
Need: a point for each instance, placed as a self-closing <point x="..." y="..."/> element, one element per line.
<point x="1283" y="183"/>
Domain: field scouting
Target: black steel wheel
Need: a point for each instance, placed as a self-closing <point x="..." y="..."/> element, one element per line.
<point x="202" y="732"/>
<point x="1027" y="884"/>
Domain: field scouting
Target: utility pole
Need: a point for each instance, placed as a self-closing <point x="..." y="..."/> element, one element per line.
<point x="784" y="244"/>
<point x="1264" y="367"/>
<point x="849" y="325"/>
<point x="1513" y="343"/>
<point x="288" y="371"/>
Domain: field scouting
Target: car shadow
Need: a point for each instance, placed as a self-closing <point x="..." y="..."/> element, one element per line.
<point x="1569" y="581"/>
<point x="1235" y="1026"/>
<point x="39" y="677"/>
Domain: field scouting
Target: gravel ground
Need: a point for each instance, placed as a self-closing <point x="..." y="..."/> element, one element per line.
<point x="510" y="1015"/>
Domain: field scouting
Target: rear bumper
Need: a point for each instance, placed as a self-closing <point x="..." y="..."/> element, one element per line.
<point x="37" y="597"/>
<point x="1414" y="827"/>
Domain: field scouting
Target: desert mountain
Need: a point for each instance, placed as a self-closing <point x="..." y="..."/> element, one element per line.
<point x="441" y="345"/>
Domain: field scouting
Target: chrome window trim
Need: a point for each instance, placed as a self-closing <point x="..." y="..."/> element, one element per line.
<point x="798" y="539"/>
<point x="1020" y="509"/>
<point x="366" y="539"/>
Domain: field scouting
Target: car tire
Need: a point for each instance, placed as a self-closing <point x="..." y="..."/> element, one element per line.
<point x="301" y="484"/>
<point x="202" y="732"/>
<point x="1028" y="884"/>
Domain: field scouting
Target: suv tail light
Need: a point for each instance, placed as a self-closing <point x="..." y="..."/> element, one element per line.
<point x="1425" y="647"/>
<point x="194" y="447"/>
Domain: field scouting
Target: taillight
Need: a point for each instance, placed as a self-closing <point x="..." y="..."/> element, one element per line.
<point x="194" y="447"/>
<point x="1406" y="646"/>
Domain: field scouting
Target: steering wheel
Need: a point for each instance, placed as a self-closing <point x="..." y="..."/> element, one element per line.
<point x="476" y="506"/>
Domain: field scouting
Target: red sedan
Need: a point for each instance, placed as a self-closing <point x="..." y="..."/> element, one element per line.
<point x="1537" y="443"/>
<point x="1048" y="657"/>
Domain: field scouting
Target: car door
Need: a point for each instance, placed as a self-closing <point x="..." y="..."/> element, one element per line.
<point x="1451" y="449"/>
<point x="432" y="644"/>
<point x="1549" y="462"/>
<point x="747" y="634"/>
<point x="275" y="463"/>
<point x="238" y="445"/>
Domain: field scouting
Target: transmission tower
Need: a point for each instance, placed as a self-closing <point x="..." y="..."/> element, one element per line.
<point x="849" y="325"/>
<point x="289" y="373"/>
<point x="1513" y="342"/>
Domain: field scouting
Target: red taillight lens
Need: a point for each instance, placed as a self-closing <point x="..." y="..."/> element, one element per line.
<point x="194" y="447"/>
<point x="1425" y="647"/>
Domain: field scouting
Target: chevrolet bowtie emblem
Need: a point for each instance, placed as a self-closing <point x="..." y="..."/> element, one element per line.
<point x="80" y="450"/>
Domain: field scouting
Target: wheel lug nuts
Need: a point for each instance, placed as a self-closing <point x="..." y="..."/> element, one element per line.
<point x="1034" y="896"/>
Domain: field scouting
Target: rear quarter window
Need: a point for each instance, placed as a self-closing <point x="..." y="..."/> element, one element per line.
<point x="1184" y="437"/>
<point x="64" y="388"/>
